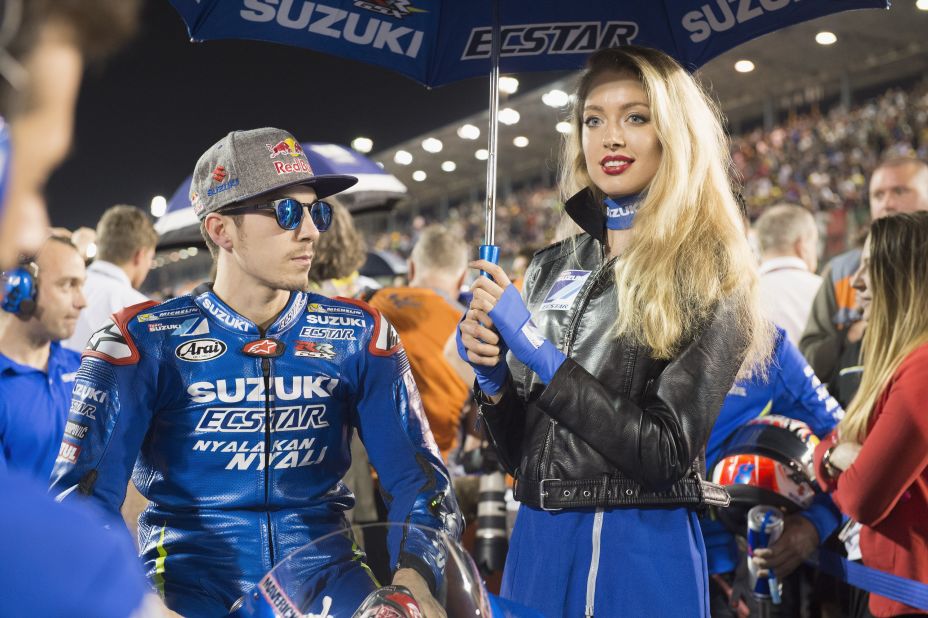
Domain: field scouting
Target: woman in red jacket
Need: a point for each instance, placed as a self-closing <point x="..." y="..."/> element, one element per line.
<point x="876" y="462"/>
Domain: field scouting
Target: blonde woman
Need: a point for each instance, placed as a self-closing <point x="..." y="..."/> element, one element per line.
<point x="625" y="342"/>
<point x="876" y="462"/>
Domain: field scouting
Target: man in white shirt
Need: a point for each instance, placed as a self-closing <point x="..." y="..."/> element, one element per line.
<point x="788" y="239"/>
<point x="126" y="241"/>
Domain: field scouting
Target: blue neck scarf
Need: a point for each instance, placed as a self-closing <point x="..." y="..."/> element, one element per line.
<point x="620" y="212"/>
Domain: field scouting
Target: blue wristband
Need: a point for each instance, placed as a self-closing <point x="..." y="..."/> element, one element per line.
<point x="515" y="326"/>
<point x="490" y="379"/>
<point x="620" y="212"/>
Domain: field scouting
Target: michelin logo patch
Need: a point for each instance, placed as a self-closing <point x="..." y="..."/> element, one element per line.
<point x="562" y="294"/>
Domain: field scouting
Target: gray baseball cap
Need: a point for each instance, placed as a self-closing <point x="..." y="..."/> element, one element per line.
<point x="247" y="164"/>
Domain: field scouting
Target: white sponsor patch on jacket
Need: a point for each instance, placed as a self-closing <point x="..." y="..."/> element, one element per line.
<point x="564" y="291"/>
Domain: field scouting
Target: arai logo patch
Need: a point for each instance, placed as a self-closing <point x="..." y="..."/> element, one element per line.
<point x="200" y="350"/>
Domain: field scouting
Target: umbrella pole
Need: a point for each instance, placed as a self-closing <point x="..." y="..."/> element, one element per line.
<point x="489" y="251"/>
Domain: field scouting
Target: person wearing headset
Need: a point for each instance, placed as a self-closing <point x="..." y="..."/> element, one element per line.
<point x="41" y="302"/>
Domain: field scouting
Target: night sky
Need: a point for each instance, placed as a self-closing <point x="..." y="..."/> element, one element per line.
<point x="145" y="116"/>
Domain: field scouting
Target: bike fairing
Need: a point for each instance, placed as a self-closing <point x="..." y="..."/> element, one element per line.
<point x="188" y="406"/>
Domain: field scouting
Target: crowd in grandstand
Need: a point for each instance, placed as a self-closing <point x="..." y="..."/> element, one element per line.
<point x="817" y="160"/>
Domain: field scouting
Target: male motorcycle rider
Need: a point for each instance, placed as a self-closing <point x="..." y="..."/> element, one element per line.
<point x="233" y="406"/>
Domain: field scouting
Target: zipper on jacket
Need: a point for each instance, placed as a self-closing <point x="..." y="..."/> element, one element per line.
<point x="543" y="460"/>
<point x="583" y="299"/>
<point x="268" y="423"/>
<point x="594" y="564"/>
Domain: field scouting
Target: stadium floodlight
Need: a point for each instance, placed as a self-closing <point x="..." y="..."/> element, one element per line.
<point x="430" y="144"/>
<point x="362" y="144"/>
<point x="192" y="251"/>
<point x="922" y="5"/>
<point x="826" y="38"/>
<point x="520" y="141"/>
<point x="482" y="155"/>
<point x="402" y="157"/>
<point x="419" y="175"/>
<point x="449" y="166"/>
<point x="91" y="250"/>
<point x="508" y="85"/>
<point x="564" y="127"/>
<point x="744" y="66"/>
<point x="508" y="116"/>
<point x="468" y="131"/>
<point x="159" y="206"/>
<point x="555" y="98"/>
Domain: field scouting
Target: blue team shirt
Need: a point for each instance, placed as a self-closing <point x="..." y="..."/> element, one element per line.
<point x="60" y="560"/>
<point x="791" y="389"/>
<point x="33" y="411"/>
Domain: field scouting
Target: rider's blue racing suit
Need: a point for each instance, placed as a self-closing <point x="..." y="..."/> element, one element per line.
<point x="239" y="439"/>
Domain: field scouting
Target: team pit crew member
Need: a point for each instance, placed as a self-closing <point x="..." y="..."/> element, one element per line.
<point x="232" y="407"/>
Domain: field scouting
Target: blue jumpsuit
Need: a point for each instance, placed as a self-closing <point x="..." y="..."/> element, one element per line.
<point x="239" y="439"/>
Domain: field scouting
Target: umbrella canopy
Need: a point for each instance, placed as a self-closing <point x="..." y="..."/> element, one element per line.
<point x="436" y="42"/>
<point x="375" y="190"/>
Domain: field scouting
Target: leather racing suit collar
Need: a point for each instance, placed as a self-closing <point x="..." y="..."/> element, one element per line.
<point x="588" y="213"/>
<point x="224" y="316"/>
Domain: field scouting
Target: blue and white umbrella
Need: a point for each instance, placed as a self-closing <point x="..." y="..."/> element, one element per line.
<point x="436" y="42"/>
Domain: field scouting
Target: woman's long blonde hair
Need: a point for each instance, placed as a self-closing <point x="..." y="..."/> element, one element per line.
<point x="898" y="321"/>
<point x="688" y="249"/>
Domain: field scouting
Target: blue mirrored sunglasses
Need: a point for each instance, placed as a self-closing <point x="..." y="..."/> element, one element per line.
<point x="289" y="212"/>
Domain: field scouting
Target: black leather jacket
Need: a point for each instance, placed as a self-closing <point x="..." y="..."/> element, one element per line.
<point x="615" y="427"/>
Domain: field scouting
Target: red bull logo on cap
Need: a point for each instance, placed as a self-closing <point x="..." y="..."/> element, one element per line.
<point x="300" y="165"/>
<point x="287" y="146"/>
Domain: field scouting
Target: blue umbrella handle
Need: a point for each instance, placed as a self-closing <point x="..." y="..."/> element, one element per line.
<point x="490" y="253"/>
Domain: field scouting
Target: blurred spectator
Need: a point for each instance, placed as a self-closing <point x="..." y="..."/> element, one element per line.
<point x="520" y="264"/>
<point x="339" y="254"/>
<point x="831" y="340"/>
<point x="59" y="560"/>
<point x="126" y="241"/>
<point x="36" y="372"/>
<point x="425" y="315"/>
<point x="788" y="240"/>
<point x="876" y="462"/>
<point x="50" y="42"/>
<point x="85" y="239"/>
<point x="788" y="389"/>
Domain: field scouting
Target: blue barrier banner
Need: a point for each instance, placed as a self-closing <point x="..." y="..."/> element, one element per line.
<point x="912" y="593"/>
